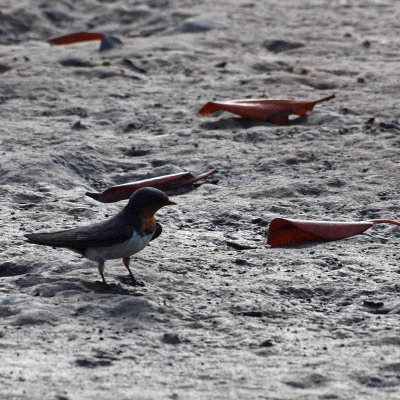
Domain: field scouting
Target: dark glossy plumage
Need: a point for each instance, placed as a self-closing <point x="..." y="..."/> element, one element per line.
<point x="118" y="237"/>
<point x="110" y="232"/>
<point x="157" y="231"/>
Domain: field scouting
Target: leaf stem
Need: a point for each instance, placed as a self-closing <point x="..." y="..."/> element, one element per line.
<point x="386" y="221"/>
<point x="332" y="96"/>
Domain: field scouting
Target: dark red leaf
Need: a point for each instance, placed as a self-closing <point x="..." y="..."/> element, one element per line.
<point x="275" y="111"/>
<point x="75" y="37"/>
<point x="284" y="231"/>
<point x="174" y="184"/>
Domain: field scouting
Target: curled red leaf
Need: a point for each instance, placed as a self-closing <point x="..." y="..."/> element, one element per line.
<point x="275" y="111"/>
<point x="173" y="185"/>
<point x="284" y="231"/>
<point x="84" y="36"/>
<point x="75" y="37"/>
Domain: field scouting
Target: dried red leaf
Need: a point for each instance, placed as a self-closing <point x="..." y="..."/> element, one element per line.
<point x="173" y="185"/>
<point x="75" y="37"/>
<point x="284" y="231"/>
<point x="275" y="111"/>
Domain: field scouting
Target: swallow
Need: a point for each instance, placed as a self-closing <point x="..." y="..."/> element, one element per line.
<point x="121" y="236"/>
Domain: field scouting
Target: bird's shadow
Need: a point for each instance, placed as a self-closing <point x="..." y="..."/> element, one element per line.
<point x="112" y="288"/>
<point x="44" y="285"/>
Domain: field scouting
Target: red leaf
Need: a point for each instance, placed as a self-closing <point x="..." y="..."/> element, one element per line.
<point x="75" y="37"/>
<point x="275" y="111"/>
<point x="171" y="184"/>
<point x="289" y="231"/>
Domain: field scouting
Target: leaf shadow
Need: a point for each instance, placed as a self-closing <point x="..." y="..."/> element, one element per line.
<point x="239" y="122"/>
<point x="111" y="288"/>
<point x="309" y="245"/>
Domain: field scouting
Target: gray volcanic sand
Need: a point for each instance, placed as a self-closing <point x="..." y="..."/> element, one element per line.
<point x="222" y="315"/>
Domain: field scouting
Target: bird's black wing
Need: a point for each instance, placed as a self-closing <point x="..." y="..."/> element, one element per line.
<point x="157" y="231"/>
<point x="105" y="233"/>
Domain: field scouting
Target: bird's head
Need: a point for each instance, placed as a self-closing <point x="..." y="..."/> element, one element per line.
<point x="147" y="201"/>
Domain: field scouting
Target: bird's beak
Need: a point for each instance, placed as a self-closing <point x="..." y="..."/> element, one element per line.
<point x="169" y="203"/>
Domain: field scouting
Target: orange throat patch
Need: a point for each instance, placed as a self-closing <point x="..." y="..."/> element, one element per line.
<point x="148" y="224"/>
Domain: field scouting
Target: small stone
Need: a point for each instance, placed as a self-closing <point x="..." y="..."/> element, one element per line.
<point x="373" y="304"/>
<point x="78" y="125"/>
<point x="4" y="68"/>
<point x="254" y="314"/>
<point x="134" y="152"/>
<point x="267" y="343"/>
<point x="204" y="23"/>
<point x="171" y="338"/>
<point x="75" y="62"/>
<point x="131" y="126"/>
<point x="279" y="45"/>
<point x="221" y="64"/>
<point x="109" y="43"/>
<point x="62" y="395"/>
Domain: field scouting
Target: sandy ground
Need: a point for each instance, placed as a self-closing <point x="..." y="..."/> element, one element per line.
<point x="222" y="315"/>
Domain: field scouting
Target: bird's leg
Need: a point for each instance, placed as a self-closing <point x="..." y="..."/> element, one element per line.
<point x="101" y="270"/>
<point x="127" y="261"/>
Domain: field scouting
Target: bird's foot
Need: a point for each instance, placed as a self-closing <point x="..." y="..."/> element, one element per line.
<point x="102" y="283"/>
<point x="129" y="280"/>
<point x="135" y="282"/>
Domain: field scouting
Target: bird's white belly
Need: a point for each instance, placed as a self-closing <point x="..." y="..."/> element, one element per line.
<point x="120" y="250"/>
